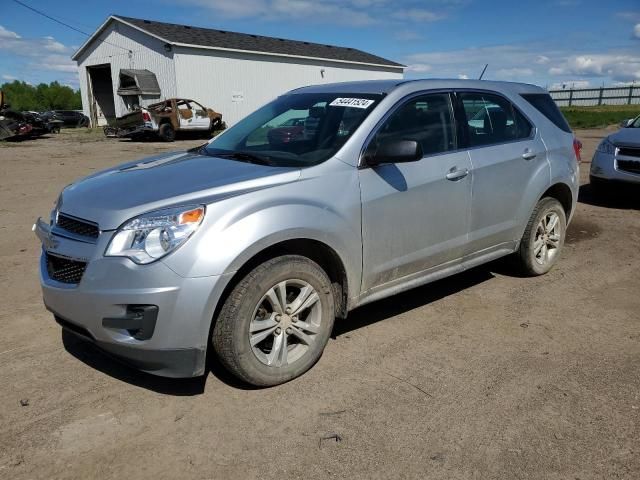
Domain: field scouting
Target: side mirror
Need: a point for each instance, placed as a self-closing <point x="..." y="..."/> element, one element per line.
<point x="627" y="123"/>
<point x="395" y="151"/>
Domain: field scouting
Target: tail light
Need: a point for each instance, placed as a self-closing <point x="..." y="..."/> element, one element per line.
<point x="577" y="148"/>
<point x="146" y="117"/>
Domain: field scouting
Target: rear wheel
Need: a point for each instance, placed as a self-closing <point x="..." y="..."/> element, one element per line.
<point x="543" y="238"/>
<point x="276" y="322"/>
<point x="166" y="132"/>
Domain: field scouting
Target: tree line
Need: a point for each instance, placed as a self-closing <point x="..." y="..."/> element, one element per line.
<point x="21" y="96"/>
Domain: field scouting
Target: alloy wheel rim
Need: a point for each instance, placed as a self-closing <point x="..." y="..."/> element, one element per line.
<point x="285" y="323"/>
<point x="547" y="239"/>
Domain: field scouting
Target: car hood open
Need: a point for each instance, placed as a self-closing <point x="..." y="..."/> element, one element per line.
<point x="113" y="196"/>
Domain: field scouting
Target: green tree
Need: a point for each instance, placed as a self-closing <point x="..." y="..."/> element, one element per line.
<point x="22" y="96"/>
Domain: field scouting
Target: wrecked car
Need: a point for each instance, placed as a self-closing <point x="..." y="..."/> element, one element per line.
<point x="164" y="119"/>
<point x="12" y="123"/>
<point x="41" y="125"/>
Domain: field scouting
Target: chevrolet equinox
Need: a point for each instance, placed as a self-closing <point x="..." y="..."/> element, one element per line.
<point x="255" y="242"/>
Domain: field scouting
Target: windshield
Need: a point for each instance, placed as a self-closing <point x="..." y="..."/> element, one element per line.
<point x="636" y="123"/>
<point x="296" y="130"/>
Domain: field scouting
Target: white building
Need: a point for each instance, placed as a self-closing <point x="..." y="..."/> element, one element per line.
<point x="129" y="61"/>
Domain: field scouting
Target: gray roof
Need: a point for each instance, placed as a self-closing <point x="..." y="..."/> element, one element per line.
<point x="386" y="86"/>
<point x="207" y="37"/>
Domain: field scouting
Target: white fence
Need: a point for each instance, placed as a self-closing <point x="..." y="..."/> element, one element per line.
<point x="597" y="96"/>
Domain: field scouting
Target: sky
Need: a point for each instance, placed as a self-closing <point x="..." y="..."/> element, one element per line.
<point x="551" y="43"/>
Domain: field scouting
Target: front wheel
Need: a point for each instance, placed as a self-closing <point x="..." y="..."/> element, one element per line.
<point x="543" y="238"/>
<point x="276" y="322"/>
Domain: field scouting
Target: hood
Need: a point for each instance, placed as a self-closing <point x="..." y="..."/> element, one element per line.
<point x="113" y="196"/>
<point x="626" y="137"/>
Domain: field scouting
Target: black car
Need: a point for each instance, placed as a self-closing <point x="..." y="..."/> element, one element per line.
<point x="70" y="118"/>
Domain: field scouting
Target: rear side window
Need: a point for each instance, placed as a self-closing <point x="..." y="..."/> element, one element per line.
<point x="546" y="106"/>
<point x="492" y="119"/>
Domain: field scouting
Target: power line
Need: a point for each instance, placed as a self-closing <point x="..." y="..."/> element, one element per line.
<point x="65" y="24"/>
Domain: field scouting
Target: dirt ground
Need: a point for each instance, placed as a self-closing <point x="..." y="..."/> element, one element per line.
<point x="483" y="375"/>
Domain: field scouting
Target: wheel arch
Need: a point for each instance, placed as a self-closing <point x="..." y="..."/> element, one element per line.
<point x="561" y="192"/>
<point x="319" y="252"/>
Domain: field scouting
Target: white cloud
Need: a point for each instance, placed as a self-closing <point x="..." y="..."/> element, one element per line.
<point x="7" y="34"/>
<point x="531" y="63"/>
<point x="352" y="13"/>
<point x="10" y="78"/>
<point x="636" y="30"/>
<point x="418" y="68"/>
<point x="516" y="72"/>
<point x="622" y="68"/>
<point x="356" y="14"/>
<point x="570" y="84"/>
<point x="506" y="62"/>
<point x="417" y="15"/>
<point x="630" y="16"/>
<point x="407" y="35"/>
<point x="44" y="53"/>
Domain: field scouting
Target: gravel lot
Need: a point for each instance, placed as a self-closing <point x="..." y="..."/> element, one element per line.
<point x="483" y="375"/>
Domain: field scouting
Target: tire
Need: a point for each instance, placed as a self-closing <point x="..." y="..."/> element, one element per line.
<point x="252" y="301"/>
<point x="166" y="132"/>
<point x="534" y="259"/>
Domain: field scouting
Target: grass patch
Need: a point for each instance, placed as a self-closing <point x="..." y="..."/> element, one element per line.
<point x="599" y="116"/>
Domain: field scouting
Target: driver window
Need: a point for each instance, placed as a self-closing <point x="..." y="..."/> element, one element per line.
<point x="426" y="119"/>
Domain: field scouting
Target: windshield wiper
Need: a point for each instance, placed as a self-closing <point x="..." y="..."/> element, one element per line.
<point x="248" y="157"/>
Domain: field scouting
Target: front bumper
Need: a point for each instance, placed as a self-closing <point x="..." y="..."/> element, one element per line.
<point x="607" y="167"/>
<point x="111" y="286"/>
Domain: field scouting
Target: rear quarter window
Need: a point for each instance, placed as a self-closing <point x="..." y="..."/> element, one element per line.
<point x="545" y="105"/>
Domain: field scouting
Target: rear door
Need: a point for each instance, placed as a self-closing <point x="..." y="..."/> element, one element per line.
<point x="506" y="152"/>
<point x="415" y="215"/>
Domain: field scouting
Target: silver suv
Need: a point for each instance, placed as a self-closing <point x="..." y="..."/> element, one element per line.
<point x="255" y="242"/>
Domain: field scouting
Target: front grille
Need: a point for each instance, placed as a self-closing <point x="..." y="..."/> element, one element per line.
<point x="65" y="270"/>
<point x="629" y="152"/>
<point x="77" y="226"/>
<point x="629" y="166"/>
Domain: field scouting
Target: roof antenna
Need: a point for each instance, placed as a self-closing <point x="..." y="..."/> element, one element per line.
<point x="483" y="70"/>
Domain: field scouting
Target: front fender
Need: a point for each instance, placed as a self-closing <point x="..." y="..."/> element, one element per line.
<point x="323" y="209"/>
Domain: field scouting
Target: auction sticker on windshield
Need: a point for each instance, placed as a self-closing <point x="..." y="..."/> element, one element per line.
<point x="351" y="102"/>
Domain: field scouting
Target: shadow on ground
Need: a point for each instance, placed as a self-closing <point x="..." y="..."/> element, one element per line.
<point x="87" y="353"/>
<point x="372" y="313"/>
<point x="418" y="297"/>
<point x="620" y="196"/>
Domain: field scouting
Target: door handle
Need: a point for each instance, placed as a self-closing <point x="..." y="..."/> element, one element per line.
<point x="529" y="154"/>
<point x="456" y="174"/>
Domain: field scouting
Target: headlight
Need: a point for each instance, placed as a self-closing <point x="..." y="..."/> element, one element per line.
<point x="153" y="235"/>
<point x="606" y="147"/>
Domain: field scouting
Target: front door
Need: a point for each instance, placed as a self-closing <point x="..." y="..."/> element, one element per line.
<point x="415" y="216"/>
<point x="192" y="116"/>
